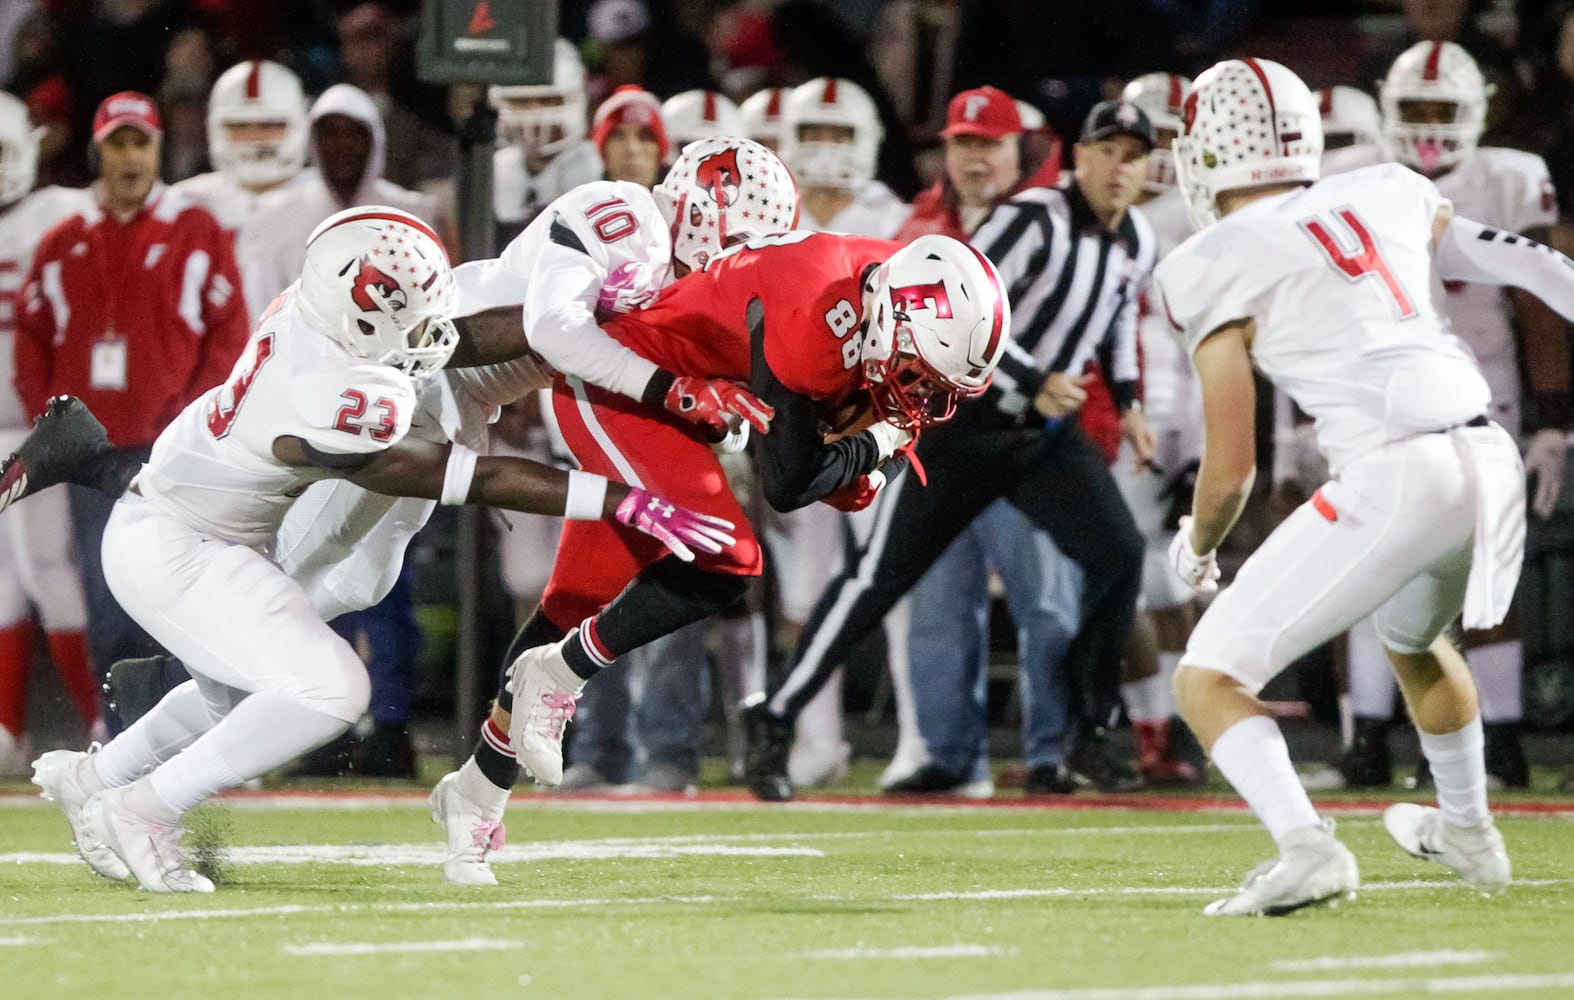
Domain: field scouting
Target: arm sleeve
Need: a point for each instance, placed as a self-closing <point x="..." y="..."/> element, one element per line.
<point x="1469" y="251"/>
<point x="797" y="467"/>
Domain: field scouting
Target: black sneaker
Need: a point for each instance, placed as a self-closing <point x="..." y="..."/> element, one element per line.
<point x="67" y="445"/>
<point x="134" y="686"/>
<point x="1049" y="779"/>
<point x="765" y="761"/>
<point x="1092" y="760"/>
<point x="930" y="779"/>
<point x="1367" y="763"/>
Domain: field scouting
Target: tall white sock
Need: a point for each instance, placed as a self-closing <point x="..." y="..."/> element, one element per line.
<point x="1372" y="683"/>
<point x="169" y="727"/>
<point x="1459" y="770"/>
<point x="1169" y="662"/>
<point x="1144" y="698"/>
<point x="1253" y="757"/>
<point x="265" y="731"/>
<point x="1498" y="668"/>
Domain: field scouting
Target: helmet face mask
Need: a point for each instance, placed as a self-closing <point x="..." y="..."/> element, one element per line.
<point x="831" y="134"/>
<point x="257" y="124"/>
<point x="725" y="191"/>
<point x="544" y="119"/>
<point x="1162" y="97"/>
<point x="377" y="280"/>
<point x="1434" y="106"/>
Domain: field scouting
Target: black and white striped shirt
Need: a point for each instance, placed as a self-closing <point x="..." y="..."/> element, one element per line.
<point x="1074" y="288"/>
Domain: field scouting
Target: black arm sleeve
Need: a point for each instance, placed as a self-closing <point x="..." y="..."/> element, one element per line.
<point x="796" y="466"/>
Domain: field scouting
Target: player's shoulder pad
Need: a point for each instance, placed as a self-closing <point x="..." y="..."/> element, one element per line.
<point x="1200" y="285"/>
<point x="353" y="409"/>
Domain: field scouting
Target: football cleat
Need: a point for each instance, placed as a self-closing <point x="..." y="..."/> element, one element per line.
<point x="149" y="847"/>
<point x="1476" y="853"/>
<point x="67" y="779"/>
<point x="67" y="445"/>
<point x="473" y="818"/>
<point x="1093" y="760"/>
<point x="1312" y="867"/>
<point x="546" y="693"/>
<point x="770" y="745"/>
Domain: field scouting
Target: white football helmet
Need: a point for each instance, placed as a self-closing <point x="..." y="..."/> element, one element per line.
<point x="544" y="119"/>
<point x="700" y="114"/>
<point x="1162" y="97"/>
<point x="1350" y="117"/>
<point x="1248" y="123"/>
<point x="723" y="191"/>
<point x="18" y="149"/>
<point x="378" y="281"/>
<point x="252" y="93"/>
<point x="762" y="116"/>
<point x="936" y="323"/>
<point x="1440" y="72"/>
<point x="836" y="102"/>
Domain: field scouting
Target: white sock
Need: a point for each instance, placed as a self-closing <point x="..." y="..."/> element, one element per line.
<point x="1459" y="770"/>
<point x="480" y="790"/>
<point x="1372" y="683"/>
<point x="168" y="728"/>
<point x="1253" y="757"/>
<point x="1498" y="668"/>
<point x="263" y="732"/>
<point x="1144" y="700"/>
<point x="1169" y="662"/>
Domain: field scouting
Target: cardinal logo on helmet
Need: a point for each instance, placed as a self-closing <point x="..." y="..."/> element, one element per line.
<point x="369" y="277"/>
<point x="719" y="168"/>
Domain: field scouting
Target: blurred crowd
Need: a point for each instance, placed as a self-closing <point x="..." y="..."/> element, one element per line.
<point x="897" y="117"/>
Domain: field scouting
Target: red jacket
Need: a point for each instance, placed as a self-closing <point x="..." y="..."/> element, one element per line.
<point x="164" y="284"/>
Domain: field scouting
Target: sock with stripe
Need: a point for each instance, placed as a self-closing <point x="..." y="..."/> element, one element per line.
<point x="495" y="757"/>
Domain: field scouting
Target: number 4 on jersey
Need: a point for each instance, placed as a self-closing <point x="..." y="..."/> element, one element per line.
<point x="1367" y="262"/>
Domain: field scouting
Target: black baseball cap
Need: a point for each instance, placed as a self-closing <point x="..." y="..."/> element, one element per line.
<point x="1117" y="118"/>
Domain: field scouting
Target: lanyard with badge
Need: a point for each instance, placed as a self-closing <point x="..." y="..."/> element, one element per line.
<point x="108" y="367"/>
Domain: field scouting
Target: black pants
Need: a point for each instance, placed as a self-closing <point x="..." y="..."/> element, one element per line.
<point x="1059" y="480"/>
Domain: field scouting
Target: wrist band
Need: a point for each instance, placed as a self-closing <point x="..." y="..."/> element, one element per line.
<point x="587" y="495"/>
<point x="458" y="476"/>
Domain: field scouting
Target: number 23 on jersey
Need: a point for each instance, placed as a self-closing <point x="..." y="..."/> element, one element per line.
<point x="351" y="418"/>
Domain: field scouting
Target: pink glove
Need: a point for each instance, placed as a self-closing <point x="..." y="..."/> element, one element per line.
<point x="673" y="526"/>
<point x="718" y="405"/>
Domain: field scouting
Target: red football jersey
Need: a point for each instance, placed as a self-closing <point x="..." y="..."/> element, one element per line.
<point x="811" y="288"/>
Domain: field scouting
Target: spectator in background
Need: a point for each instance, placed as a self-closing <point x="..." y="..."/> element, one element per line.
<point x="544" y="153"/>
<point x="38" y="572"/>
<point x="630" y="136"/>
<point x="633" y="47"/>
<point x="38" y="78"/>
<point x="139" y="290"/>
<point x="373" y="51"/>
<point x="914" y="50"/>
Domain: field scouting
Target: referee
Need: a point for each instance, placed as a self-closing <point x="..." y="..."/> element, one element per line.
<point x="1074" y="261"/>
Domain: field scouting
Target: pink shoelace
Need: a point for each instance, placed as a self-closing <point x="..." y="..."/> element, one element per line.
<point x="487" y="836"/>
<point x="560" y="709"/>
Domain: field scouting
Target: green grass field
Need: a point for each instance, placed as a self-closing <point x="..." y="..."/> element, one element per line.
<point x="721" y="897"/>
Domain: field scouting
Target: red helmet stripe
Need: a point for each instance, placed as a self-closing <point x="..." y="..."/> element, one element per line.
<point x="829" y="97"/>
<point x="1175" y="95"/>
<point x="1000" y="297"/>
<point x="408" y="220"/>
<point x="254" y="81"/>
<point x="709" y="114"/>
<point x="1429" y="71"/>
<point x="773" y="108"/>
<point x="1325" y="107"/>
<point x="1273" y="112"/>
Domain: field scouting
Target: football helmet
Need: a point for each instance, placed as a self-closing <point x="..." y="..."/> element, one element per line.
<point x="936" y="322"/>
<point x="254" y="93"/>
<point x="378" y="281"/>
<point x="840" y="103"/>
<point x="544" y="119"/>
<point x="18" y="149"/>
<point x="722" y="191"/>
<point x="1441" y="73"/>
<point x="762" y="116"/>
<point x="1350" y="117"/>
<point x="700" y="114"/>
<point x="1162" y="97"/>
<point x="1248" y="123"/>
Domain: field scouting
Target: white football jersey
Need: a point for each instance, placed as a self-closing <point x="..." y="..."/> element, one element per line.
<point x="214" y="467"/>
<point x="602" y="248"/>
<point x="517" y="196"/>
<point x="22" y="228"/>
<point x="876" y="211"/>
<point x="1171" y="395"/>
<point x="1339" y="280"/>
<point x="236" y="208"/>
<point x="1506" y="189"/>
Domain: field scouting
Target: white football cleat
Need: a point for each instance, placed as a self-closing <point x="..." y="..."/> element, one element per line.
<point x="545" y="694"/>
<point x="150" y="848"/>
<point x="1475" y="852"/>
<point x="473" y="819"/>
<point x="67" y="779"/>
<point x="1312" y="867"/>
<point x="815" y="763"/>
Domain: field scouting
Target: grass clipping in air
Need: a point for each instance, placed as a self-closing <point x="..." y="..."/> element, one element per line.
<point x="207" y="844"/>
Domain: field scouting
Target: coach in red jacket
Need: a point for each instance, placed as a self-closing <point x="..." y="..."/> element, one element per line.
<point x="134" y="306"/>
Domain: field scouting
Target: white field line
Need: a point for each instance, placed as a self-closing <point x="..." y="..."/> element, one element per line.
<point x="12" y="942"/>
<point x="909" y="952"/>
<point x="1444" y="885"/>
<point x="1396" y="961"/>
<point x="399" y="948"/>
<point x="1271" y="990"/>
